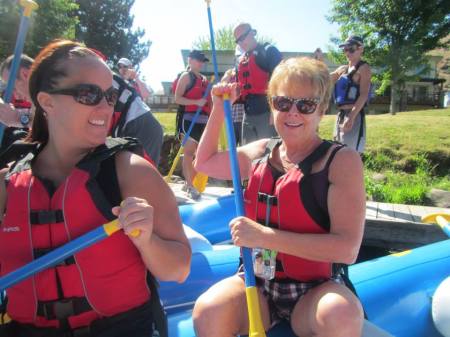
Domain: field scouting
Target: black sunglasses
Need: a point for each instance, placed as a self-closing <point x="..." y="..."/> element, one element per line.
<point x="350" y="49"/>
<point x="305" y="106"/>
<point x="243" y="36"/>
<point x="89" y="94"/>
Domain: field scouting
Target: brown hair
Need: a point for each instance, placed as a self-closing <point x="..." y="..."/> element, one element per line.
<point x="25" y="62"/>
<point x="297" y="70"/>
<point x="47" y="69"/>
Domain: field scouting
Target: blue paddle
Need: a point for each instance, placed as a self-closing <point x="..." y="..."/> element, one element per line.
<point x="59" y="254"/>
<point x="256" y="327"/>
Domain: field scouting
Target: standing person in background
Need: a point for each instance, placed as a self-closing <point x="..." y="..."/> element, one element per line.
<point x="72" y="180"/>
<point x="254" y="70"/>
<point x="351" y="93"/>
<point x="18" y="115"/>
<point x="189" y="91"/>
<point x="133" y="118"/>
<point x="129" y="74"/>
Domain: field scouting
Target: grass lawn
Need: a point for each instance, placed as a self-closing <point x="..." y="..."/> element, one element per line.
<point x="410" y="149"/>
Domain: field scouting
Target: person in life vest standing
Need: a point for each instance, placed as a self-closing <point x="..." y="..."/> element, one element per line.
<point x="189" y="91"/>
<point x="305" y="211"/>
<point x="129" y="74"/>
<point x="351" y="94"/>
<point x="254" y="70"/>
<point x="69" y="180"/>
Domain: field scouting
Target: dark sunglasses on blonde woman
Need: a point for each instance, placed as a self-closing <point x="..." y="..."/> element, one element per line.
<point x="88" y="94"/>
<point x="305" y="106"/>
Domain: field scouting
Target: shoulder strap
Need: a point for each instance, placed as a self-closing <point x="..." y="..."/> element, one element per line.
<point x="333" y="153"/>
<point x="353" y="72"/>
<point x="20" y="153"/>
<point x="109" y="149"/>
<point x="191" y="84"/>
<point x="306" y="165"/>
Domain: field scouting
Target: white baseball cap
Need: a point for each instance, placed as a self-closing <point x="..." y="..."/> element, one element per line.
<point x="124" y="61"/>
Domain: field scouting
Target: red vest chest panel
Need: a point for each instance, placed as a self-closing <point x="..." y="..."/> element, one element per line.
<point x="197" y="92"/>
<point x="109" y="274"/>
<point x="287" y="212"/>
<point x="252" y="79"/>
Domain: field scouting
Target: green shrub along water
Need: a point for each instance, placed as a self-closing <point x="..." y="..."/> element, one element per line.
<point x="407" y="154"/>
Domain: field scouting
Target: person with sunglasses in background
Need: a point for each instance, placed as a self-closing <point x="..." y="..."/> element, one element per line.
<point x="351" y="94"/>
<point x="70" y="179"/>
<point x="253" y="72"/>
<point x="16" y="116"/>
<point x="305" y="211"/>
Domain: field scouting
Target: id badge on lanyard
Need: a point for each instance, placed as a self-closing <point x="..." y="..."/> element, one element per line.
<point x="264" y="260"/>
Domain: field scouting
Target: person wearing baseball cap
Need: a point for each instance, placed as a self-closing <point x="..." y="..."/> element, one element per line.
<point x="351" y="95"/>
<point x="129" y="74"/>
<point x="189" y="92"/>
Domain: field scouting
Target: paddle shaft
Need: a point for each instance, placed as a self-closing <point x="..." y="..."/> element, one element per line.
<point x="58" y="255"/>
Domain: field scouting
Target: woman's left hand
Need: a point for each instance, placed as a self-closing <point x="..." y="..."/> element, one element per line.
<point x="135" y="217"/>
<point x="246" y="232"/>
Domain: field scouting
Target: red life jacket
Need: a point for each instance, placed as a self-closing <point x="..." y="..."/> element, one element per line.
<point x="287" y="211"/>
<point x="102" y="280"/>
<point x="251" y="77"/>
<point x="197" y="92"/>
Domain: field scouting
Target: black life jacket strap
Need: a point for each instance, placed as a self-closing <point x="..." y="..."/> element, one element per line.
<point x="158" y="312"/>
<point x="306" y="165"/>
<point x="42" y="217"/>
<point x="63" y="309"/>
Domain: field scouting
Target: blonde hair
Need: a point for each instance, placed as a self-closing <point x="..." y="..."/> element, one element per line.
<point x="300" y="71"/>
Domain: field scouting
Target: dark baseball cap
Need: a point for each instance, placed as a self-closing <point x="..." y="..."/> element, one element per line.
<point x="198" y="55"/>
<point x="352" y="40"/>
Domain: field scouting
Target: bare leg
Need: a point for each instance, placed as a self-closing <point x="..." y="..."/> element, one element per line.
<point x="188" y="168"/>
<point x="330" y="309"/>
<point x="222" y="310"/>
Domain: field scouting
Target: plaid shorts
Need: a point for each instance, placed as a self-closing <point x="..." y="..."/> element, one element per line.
<point x="283" y="295"/>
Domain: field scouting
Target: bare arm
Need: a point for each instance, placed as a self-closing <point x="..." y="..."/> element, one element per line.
<point x="216" y="163"/>
<point x="182" y="84"/>
<point x="162" y="243"/>
<point x="346" y="204"/>
<point x="334" y="76"/>
<point x="9" y="115"/>
<point x="145" y="93"/>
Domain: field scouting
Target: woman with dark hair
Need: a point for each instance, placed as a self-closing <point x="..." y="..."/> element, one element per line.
<point x="72" y="180"/>
<point x="304" y="206"/>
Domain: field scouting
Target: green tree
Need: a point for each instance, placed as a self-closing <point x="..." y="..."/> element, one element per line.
<point x="53" y="19"/>
<point x="223" y="39"/>
<point x="397" y="34"/>
<point x="106" y="25"/>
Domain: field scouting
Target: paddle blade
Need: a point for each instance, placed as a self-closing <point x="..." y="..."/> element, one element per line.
<point x="256" y="328"/>
<point x="200" y="181"/>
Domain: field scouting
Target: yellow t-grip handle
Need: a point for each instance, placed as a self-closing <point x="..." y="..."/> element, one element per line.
<point x="135" y="233"/>
<point x="28" y="7"/>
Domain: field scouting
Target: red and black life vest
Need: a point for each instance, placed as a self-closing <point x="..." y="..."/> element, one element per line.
<point x="277" y="200"/>
<point x="102" y="280"/>
<point x="252" y="78"/>
<point x="197" y="92"/>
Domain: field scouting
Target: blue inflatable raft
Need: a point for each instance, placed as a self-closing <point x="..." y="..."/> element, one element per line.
<point x="396" y="290"/>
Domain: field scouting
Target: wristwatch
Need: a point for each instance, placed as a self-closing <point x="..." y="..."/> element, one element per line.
<point x="24" y="119"/>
